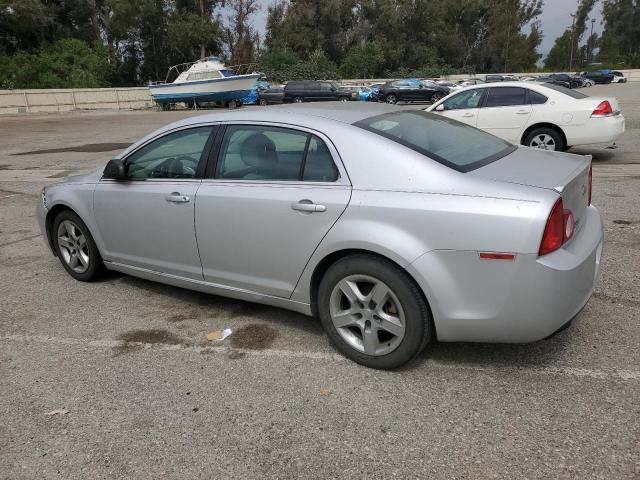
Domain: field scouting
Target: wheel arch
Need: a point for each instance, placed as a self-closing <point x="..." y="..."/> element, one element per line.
<point x="50" y="217"/>
<point x="323" y="265"/>
<point x="552" y="126"/>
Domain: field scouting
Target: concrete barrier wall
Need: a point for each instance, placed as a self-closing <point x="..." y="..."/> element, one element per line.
<point x="63" y="100"/>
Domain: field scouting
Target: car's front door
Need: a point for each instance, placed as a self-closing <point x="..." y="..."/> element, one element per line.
<point x="273" y="195"/>
<point x="147" y="220"/>
<point x="505" y="112"/>
<point x="463" y="106"/>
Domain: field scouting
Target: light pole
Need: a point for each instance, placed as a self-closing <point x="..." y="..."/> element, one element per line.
<point x="573" y="24"/>
<point x="593" y="20"/>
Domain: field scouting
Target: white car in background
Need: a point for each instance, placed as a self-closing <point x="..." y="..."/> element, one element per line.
<point x="618" y="77"/>
<point x="537" y="115"/>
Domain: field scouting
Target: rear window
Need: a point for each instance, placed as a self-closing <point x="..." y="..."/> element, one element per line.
<point x="442" y="139"/>
<point x="566" y="91"/>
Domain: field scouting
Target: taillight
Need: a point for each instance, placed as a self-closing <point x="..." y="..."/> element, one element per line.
<point x="590" y="182"/>
<point x="559" y="229"/>
<point x="603" y="110"/>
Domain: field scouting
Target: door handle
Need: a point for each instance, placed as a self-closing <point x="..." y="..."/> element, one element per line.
<point x="522" y="112"/>
<point x="176" y="197"/>
<point x="308" y="206"/>
<point x="468" y="115"/>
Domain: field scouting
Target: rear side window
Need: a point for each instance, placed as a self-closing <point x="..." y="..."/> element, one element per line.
<point x="536" y="98"/>
<point x="253" y="152"/>
<point x="454" y="144"/>
<point x="505" y="96"/>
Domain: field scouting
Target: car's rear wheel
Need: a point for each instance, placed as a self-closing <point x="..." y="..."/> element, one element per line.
<point x="344" y="99"/>
<point x="76" y="248"/>
<point x="545" y="139"/>
<point x="263" y="102"/>
<point x="298" y="100"/>
<point x="391" y="98"/>
<point x="373" y="311"/>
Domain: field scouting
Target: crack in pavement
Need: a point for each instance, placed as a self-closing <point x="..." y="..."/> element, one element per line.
<point x="578" y="372"/>
<point x="31" y="237"/>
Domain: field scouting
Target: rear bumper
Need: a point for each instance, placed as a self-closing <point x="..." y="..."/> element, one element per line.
<point x="597" y="130"/>
<point x="518" y="301"/>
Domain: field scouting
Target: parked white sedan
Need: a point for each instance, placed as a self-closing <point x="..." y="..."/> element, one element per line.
<point x="536" y="115"/>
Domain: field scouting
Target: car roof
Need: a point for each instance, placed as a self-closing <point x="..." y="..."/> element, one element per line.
<point x="321" y="116"/>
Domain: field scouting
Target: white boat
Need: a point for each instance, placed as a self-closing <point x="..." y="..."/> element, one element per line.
<point x="207" y="80"/>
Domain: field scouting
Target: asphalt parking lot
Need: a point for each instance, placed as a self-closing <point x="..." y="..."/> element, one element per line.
<point x="147" y="396"/>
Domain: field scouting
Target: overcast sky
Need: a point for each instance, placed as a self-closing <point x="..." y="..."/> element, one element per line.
<point x="555" y="18"/>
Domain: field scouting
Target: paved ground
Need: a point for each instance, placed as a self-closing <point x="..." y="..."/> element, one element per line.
<point x="275" y="400"/>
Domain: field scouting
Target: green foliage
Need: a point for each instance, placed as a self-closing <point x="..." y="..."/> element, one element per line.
<point x="363" y="61"/>
<point x="68" y="63"/>
<point x="280" y="65"/>
<point x="566" y="52"/>
<point x="620" y="42"/>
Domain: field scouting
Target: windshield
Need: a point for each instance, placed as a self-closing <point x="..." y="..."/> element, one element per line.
<point x="442" y="139"/>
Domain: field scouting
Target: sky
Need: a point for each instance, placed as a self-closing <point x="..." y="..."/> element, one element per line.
<point x="555" y="18"/>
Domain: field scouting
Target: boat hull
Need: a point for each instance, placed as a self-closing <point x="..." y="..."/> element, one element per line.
<point x="214" y="90"/>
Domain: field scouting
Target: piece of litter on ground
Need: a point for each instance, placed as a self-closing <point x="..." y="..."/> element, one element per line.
<point x="218" y="335"/>
<point x="56" y="412"/>
<point x="324" y="392"/>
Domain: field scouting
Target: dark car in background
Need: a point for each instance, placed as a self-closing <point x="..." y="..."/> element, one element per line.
<point x="298" y="91"/>
<point x="271" y="96"/>
<point x="553" y="81"/>
<point x="499" y="78"/>
<point x="598" y="77"/>
<point x="411" y="91"/>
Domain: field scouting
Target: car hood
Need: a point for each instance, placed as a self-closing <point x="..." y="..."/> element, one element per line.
<point x="535" y="168"/>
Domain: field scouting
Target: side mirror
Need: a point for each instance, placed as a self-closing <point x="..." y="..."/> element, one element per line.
<point x="440" y="108"/>
<point x="115" y="169"/>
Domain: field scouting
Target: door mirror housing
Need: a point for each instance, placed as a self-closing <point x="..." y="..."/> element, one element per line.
<point x="115" y="170"/>
<point x="440" y="108"/>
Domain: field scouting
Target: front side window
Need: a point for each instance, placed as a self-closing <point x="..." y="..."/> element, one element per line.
<point x="442" y="139"/>
<point x="252" y="152"/>
<point x="465" y="99"/>
<point x="176" y="155"/>
<point x="327" y="87"/>
<point x="505" y="97"/>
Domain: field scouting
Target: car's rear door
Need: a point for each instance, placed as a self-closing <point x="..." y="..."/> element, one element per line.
<point x="505" y="112"/>
<point x="266" y="204"/>
<point x="147" y="220"/>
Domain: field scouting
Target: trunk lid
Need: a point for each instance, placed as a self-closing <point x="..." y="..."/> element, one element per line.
<point x="565" y="173"/>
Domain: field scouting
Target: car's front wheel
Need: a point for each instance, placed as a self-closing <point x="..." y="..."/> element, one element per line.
<point x="298" y="100"/>
<point x="545" y="139"/>
<point x="373" y="311"/>
<point x="76" y="248"/>
<point x="437" y="96"/>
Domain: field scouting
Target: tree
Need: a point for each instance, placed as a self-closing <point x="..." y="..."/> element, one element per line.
<point x="364" y="60"/>
<point x="240" y="38"/>
<point x="565" y="51"/>
<point x="620" y="42"/>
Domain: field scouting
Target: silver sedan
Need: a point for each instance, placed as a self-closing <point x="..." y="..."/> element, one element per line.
<point x="393" y="226"/>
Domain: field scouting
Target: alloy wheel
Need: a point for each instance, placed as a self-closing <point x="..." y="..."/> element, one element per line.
<point x="391" y="99"/>
<point x="367" y="315"/>
<point x="73" y="247"/>
<point x="543" y="142"/>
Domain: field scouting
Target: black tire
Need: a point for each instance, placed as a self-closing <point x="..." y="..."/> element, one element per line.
<point x="531" y="139"/>
<point x="391" y="99"/>
<point x="263" y="102"/>
<point x="232" y="104"/>
<point x="298" y="100"/>
<point x="437" y="96"/>
<point x="344" y="99"/>
<point x="95" y="268"/>
<point x="418" y="321"/>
